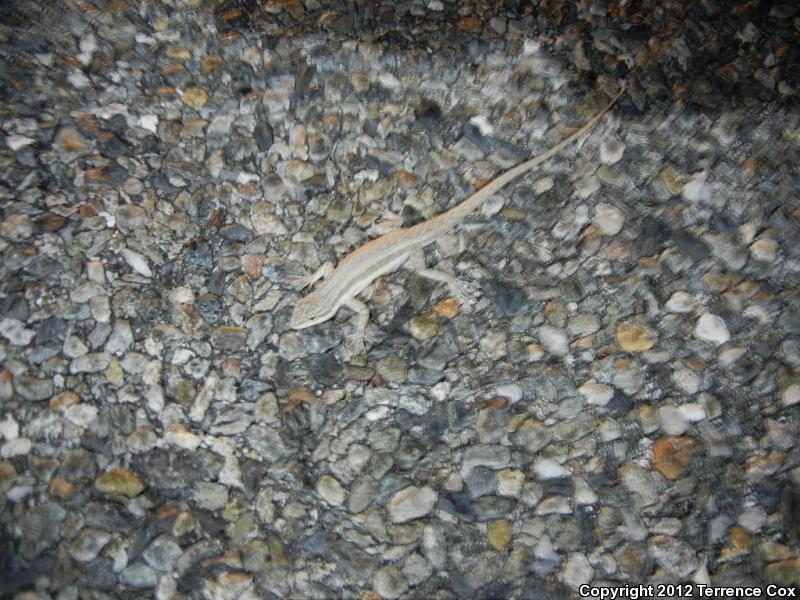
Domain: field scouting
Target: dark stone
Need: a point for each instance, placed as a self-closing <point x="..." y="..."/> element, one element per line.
<point x="47" y="270"/>
<point x="111" y="175"/>
<point x="481" y="481"/>
<point x="264" y="136"/>
<point x="117" y="124"/>
<point x="236" y="233"/>
<point x="54" y="328"/>
<point x="474" y="135"/>
<point x="507" y="299"/>
<point x="768" y="492"/>
<point x="318" y="544"/>
<point x="98" y="574"/>
<point x="106" y="516"/>
<point x="559" y="486"/>
<point x="209" y="307"/>
<point x="458" y="504"/>
<point x="39" y="526"/>
<point x="420" y="376"/>
<point x="490" y="508"/>
<point x="620" y="404"/>
<point x="305" y="86"/>
<point x="253" y="472"/>
<point x="324" y="369"/>
<point x="16" y="573"/>
<point x="172" y="472"/>
<point x="112" y="147"/>
<point x="199" y="255"/>
<point x="78" y="465"/>
<point x="690" y="245"/>
<point x="251" y="389"/>
<point x="654" y="235"/>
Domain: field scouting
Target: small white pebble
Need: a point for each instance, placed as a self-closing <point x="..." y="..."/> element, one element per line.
<point x="545" y="184"/>
<point x="681" y="302"/>
<point x="17" y="447"/>
<point x="611" y="151"/>
<point x="389" y="81"/>
<point x="608" y="218"/>
<point x="596" y="393"/>
<point x="547" y="468"/>
<point x="791" y="395"/>
<point x="136" y="261"/>
<point x="440" y="391"/>
<point x="9" y="429"/>
<point x="149" y="122"/>
<point x="483" y="125"/>
<point x="511" y="391"/>
<point x="672" y="420"/>
<point x="15" y="142"/>
<point x="697" y="189"/>
<point x="712" y="328"/>
<point x="692" y="412"/>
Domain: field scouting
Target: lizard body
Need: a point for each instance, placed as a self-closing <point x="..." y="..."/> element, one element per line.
<point x="342" y="285"/>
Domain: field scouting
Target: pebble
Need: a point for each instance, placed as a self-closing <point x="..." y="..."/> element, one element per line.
<point x="424" y="327"/>
<point x="577" y="571"/>
<point x="88" y="544"/>
<point x="195" y="97"/>
<point x="697" y="188"/>
<point x="137" y="262"/>
<point x="611" y="152"/>
<point x="17" y="142"/>
<point x="411" y="503"/>
<point x="673" y="421"/>
<point x="389" y="582"/>
<point x="547" y="468"/>
<point x="499" y="534"/>
<point x="712" y="328"/>
<point x="608" y="218"/>
<point x="671" y="455"/>
<point x="791" y="395"/>
<point x="681" y="302"/>
<point x="162" y="553"/>
<point x="90" y="363"/>
<point x="677" y="558"/>
<point x="16" y="228"/>
<point x="20" y="446"/>
<point x="15" y="332"/>
<point x="764" y="249"/>
<point x="554" y="340"/>
<point x="597" y="393"/>
<point x="119" y="482"/>
<point x="330" y="490"/>
<point x="633" y="338"/>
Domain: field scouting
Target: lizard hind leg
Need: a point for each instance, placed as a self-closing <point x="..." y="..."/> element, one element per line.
<point x="460" y="290"/>
<point x="354" y="338"/>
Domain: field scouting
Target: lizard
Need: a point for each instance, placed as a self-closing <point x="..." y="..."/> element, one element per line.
<point x="387" y="253"/>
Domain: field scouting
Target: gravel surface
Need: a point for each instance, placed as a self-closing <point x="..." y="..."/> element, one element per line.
<point x="616" y="406"/>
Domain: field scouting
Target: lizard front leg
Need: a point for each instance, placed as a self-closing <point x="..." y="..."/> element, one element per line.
<point x="323" y="271"/>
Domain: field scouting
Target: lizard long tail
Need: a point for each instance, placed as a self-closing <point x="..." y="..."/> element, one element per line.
<point x="450" y="218"/>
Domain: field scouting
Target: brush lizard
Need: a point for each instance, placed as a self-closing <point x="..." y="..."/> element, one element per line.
<point x="385" y="254"/>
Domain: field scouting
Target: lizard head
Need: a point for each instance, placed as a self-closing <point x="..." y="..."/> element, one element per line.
<point x="310" y="311"/>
